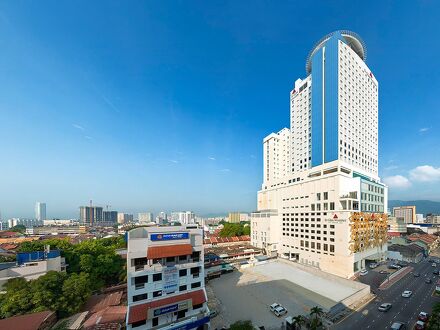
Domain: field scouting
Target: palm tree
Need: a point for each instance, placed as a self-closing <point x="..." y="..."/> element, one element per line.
<point x="298" y="321"/>
<point x="316" y="313"/>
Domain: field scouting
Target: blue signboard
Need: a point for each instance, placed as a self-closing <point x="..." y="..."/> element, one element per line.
<point x="165" y="310"/>
<point x="168" y="236"/>
<point x="192" y="325"/>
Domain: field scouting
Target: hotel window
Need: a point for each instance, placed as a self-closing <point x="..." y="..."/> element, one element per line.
<point x="332" y="206"/>
<point x="332" y="248"/>
<point x="195" y="285"/>
<point x="157" y="293"/>
<point x="318" y="196"/>
<point x="182" y="272"/>
<point x="325" y="196"/>
<point x="157" y="277"/>
<point x="182" y="288"/>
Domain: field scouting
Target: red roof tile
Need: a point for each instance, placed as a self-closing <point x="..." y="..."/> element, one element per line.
<point x="139" y="312"/>
<point x="26" y="322"/>
<point x="156" y="252"/>
<point x="113" y="314"/>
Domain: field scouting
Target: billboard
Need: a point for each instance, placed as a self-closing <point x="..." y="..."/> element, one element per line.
<point x="170" y="279"/>
<point x="169" y="236"/>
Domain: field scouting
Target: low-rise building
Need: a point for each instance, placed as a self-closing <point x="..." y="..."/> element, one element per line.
<point x="261" y="234"/>
<point x="409" y="253"/>
<point x="396" y="226"/>
<point x="33" y="265"/>
<point x="165" y="279"/>
<point x="35" y="321"/>
<point x="433" y="218"/>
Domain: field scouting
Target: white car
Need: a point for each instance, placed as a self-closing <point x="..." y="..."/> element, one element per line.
<point x="280" y="310"/>
<point x="274" y="306"/>
<point x="406" y="294"/>
<point x="277" y="309"/>
<point x="373" y="265"/>
<point x="363" y="272"/>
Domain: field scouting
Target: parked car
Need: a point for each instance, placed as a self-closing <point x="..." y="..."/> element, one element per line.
<point x="428" y="281"/>
<point x="273" y="306"/>
<point x="394" y="266"/>
<point x="385" y="307"/>
<point x="406" y="294"/>
<point x="423" y="316"/>
<point x="416" y="274"/>
<point x="279" y="311"/>
<point x="436" y="272"/>
<point x="373" y="265"/>
<point x="402" y="263"/>
<point x="383" y="272"/>
<point x="434" y="264"/>
<point x="363" y="272"/>
<point x="398" y="326"/>
<point x="420" y="325"/>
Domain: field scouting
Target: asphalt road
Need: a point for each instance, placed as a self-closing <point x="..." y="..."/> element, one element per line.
<point x="404" y="309"/>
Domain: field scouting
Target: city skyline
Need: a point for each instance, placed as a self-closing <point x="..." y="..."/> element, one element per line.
<point x="170" y="116"/>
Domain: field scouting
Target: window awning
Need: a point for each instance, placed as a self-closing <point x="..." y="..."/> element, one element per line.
<point x="156" y="252"/>
<point x="140" y="312"/>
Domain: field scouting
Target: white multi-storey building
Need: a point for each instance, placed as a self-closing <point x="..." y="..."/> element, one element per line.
<point x="165" y="279"/>
<point x="145" y="217"/>
<point x="40" y="211"/>
<point x="329" y="206"/>
<point x="185" y="218"/>
<point x="276" y="155"/>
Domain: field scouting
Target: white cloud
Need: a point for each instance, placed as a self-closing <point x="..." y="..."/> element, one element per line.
<point x="425" y="173"/>
<point x="424" y="129"/>
<point x="174" y="161"/>
<point x="78" y="127"/>
<point x="88" y="137"/>
<point x="397" y="181"/>
<point x="225" y="170"/>
<point x="391" y="167"/>
<point x="211" y="158"/>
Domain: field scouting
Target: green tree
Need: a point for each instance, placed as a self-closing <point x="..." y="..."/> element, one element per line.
<point x="434" y="320"/>
<point x="47" y="291"/>
<point x="298" y="321"/>
<point x="242" y="325"/>
<point x="16" y="299"/>
<point x="18" y="229"/>
<point x="75" y="292"/>
<point x="316" y="314"/>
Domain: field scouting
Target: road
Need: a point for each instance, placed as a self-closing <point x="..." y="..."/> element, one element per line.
<point x="404" y="309"/>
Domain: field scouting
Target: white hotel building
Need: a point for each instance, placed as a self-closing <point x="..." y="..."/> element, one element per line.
<point x="165" y="279"/>
<point x="322" y="203"/>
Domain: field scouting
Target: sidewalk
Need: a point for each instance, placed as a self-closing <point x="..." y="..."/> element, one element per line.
<point x="395" y="277"/>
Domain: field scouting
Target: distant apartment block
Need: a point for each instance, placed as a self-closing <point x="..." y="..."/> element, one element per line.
<point x="90" y="215"/>
<point x="124" y="218"/>
<point x="433" y="218"/>
<point x="40" y="211"/>
<point x="408" y="213"/>
<point x="110" y="216"/>
<point x="145" y="217"/>
<point x="165" y="279"/>
<point x="184" y="218"/>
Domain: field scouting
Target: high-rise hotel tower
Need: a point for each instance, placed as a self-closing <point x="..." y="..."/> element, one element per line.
<point x="322" y="203"/>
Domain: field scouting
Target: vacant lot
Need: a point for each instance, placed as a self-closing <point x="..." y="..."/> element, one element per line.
<point x="247" y="294"/>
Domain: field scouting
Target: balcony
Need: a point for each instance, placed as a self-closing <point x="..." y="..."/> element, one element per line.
<point x="350" y="195"/>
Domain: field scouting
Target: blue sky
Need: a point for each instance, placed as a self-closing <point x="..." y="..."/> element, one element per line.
<point x="151" y="105"/>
